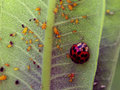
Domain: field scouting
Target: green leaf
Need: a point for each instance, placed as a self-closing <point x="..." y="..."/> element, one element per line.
<point x="109" y="49"/>
<point x="116" y="79"/>
<point x="47" y="67"/>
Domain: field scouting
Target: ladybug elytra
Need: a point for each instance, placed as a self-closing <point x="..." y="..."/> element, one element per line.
<point x="79" y="53"/>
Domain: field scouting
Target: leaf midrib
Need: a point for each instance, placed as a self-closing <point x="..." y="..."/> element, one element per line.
<point x="47" y="52"/>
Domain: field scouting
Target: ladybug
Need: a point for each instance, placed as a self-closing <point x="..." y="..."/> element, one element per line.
<point x="79" y="53"/>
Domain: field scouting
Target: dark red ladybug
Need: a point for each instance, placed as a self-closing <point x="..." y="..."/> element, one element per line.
<point x="79" y="53"/>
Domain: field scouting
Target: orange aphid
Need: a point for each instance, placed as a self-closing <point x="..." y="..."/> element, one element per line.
<point x="36" y="21"/>
<point x="38" y="9"/>
<point x="56" y="31"/>
<point x="0" y="38"/>
<point x="62" y="7"/>
<point x="29" y="48"/>
<point x="74" y="31"/>
<point x="44" y="25"/>
<point x="3" y="77"/>
<point x="69" y="1"/>
<point x="30" y="32"/>
<point x="56" y="10"/>
<point x="7" y="65"/>
<point x="61" y="2"/>
<point x="40" y="45"/>
<point x="31" y="59"/>
<point x="74" y="4"/>
<point x="58" y="36"/>
<point x="76" y="21"/>
<point x="70" y="7"/>
<point x="71" y="77"/>
<point x="66" y="17"/>
<point x="72" y="21"/>
<point x="67" y="55"/>
<point x="58" y="46"/>
<point x="63" y="14"/>
<point x="39" y="13"/>
<point x="84" y="16"/>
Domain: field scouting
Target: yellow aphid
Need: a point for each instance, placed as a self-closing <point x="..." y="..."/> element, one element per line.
<point x="61" y="2"/>
<point x="7" y="65"/>
<point x="66" y="17"/>
<point x="16" y="69"/>
<point x="37" y="9"/>
<point x="28" y="67"/>
<point x="31" y="59"/>
<point x="69" y="1"/>
<point x="76" y="21"/>
<point x="31" y="32"/>
<point x="56" y="10"/>
<point x="37" y="40"/>
<point x="3" y="77"/>
<point x="22" y="38"/>
<point x="84" y="16"/>
<point x="107" y="11"/>
<point x="74" y="4"/>
<point x="72" y="21"/>
<point x="9" y="46"/>
<point x="29" y="48"/>
<point x="40" y="45"/>
<point x="70" y="7"/>
<point x="30" y="41"/>
<point x="63" y="14"/>
<point x="56" y="31"/>
<point x="26" y="41"/>
<point x="59" y="40"/>
<point x="35" y="36"/>
<point x="25" y="30"/>
<point x="44" y="25"/>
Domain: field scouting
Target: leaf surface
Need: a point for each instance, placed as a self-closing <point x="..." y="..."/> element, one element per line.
<point x="46" y="67"/>
<point x="109" y="49"/>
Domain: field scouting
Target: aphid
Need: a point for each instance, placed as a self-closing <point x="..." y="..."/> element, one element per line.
<point x="79" y="53"/>
<point x="17" y="82"/>
<point x="30" y="41"/>
<point x="56" y="31"/>
<point x="55" y="10"/>
<point x="67" y="55"/>
<point x="7" y="65"/>
<point x="61" y="2"/>
<point x="3" y="77"/>
<point x="69" y="1"/>
<point x="70" y="7"/>
<point x="36" y="40"/>
<point x="29" y="48"/>
<point x="107" y="11"/>
<point x="28" y="67"/>
<point x="30" y="32"/>
<point x="72" y="21"/>
<point x="38" y="9"/>
<point x="31" y="59"/>
<point x="16" y="69"/>
<point x="25" y="30"/>
<point x="26" y="41"/>
<point x="13" y="34"/>
<point x="76" y="21"/>
<point x="59" y="36"/>
<point x="10" y="44"/>
<point x="40" y="45"/>
<point x="84" y="16"/>
<point x="74" y="31"/>
<point x="63" y="14"/>
<point x="66" y="17"/>
<point x="74" y="4"/>
<point x="71" y="77"/>
<point x="62" y="7"/>
<point x="0" y="38"/>
<point x="44" y="25"/>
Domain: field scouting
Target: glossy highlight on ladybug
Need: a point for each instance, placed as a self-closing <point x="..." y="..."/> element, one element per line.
<point x="79" y="53"/>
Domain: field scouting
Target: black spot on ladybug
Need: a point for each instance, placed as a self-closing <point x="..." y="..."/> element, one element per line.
<point x="74" y="50"/>
<point x="74" y="55"/>
<point x="85" y="55"/>
<point x="83" y="49"/>
<point x="78" y="54"/>
<point x="82" y="55"/>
